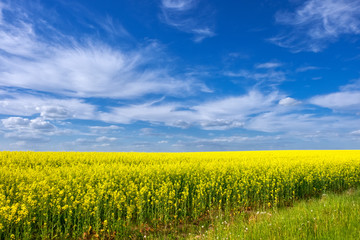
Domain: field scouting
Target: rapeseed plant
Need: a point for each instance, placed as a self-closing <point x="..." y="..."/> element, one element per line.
<point x="67" y="195"/>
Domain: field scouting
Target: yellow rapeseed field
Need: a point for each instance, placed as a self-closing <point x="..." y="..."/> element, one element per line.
<point x="48" y="195"/>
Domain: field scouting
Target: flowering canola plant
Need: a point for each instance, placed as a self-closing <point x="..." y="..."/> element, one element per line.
<point x="47" y="195"/>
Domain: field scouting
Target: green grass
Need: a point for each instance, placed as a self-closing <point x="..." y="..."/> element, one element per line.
<point x="333" y="216"/>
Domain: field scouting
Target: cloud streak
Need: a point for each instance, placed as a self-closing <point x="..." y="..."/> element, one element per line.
<point x="221" y="114"/>
<point x="187" y="16"/>
<point x="340" y="101"/>
<point x="83" y="69"/>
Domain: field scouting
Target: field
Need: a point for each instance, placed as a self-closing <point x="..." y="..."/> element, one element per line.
<point x="56" y="195"/>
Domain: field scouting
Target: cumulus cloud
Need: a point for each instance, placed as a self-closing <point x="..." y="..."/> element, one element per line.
<point x="316" y="23"/>
<point x="15" y="122"/>
<point x="23" y="104"/>
<point x="187" y="16"/>
<point x="25" y="129"/>
<point x="54" y="112"/>
<point x="24" y="123"/>
<point x="288" y="101"/>
<point x="41" y="125"/>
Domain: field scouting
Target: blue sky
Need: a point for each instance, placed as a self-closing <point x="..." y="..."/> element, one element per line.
<point x="179" y="75"/>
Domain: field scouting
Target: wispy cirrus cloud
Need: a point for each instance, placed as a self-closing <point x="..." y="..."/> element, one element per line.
<point x="187" y="16"/>
<point x="82" y="69"/>
<point x="268" y="65"/>
<point x="270" y="73"/>
<point x="221" y="114"/>
<point x="99" y="142"/>
<point x="265" y="75"/>
<point x="307" y="68"/>
<point x="2" y="5"/>
<point x="317" y="23"/>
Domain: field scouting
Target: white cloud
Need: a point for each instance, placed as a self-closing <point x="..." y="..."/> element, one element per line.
<point x="221" y="114"/>
<point x="356" y="132"/>
<point x="144" y="112"/>
<point x="187" y="16"/>
<point x="302" y="124"/>
<point x="268" y="65"/>
<point x="40" y="124"/>
<point x="236" y="139"/>
<point x="240" y="106"/>
<point x="83" y="141"/>
<point x="221" y="124"/>
<point x="202" y="33"/>
<point x="54" y="112"/>
<point x="229" y="112"/>
<point x="48" y="107"/>
<point x="307" y="68"/>
<point x="149" y="132"/>
<point x="25" y="129"/>
<point x="15" y="122"/>
<point x="269" y="75"/>
<point x="19" y="123"/>
<point x="346" y="100"/>
<point x="316" y="23"/>
<point x="89" y="143"/>
<point x="179" y="5"/>
<point x="105" y="129"/>
<point x="27" y="137"/>
<point x="101" y="145"/>
<point x="87" y="69"/>
<point x="93" y="71"/>
<point x="105" y="139"/>
<point x="113" y="27"/>
<point x="2" y="6"/>
<point x="353" y="86"/>
<point x="288" y="101"/>
<point x="275" y="122"/>
<point x="232" y="143"/>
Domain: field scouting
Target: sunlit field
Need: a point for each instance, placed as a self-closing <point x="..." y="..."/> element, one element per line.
<point x="45" y="195"/>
